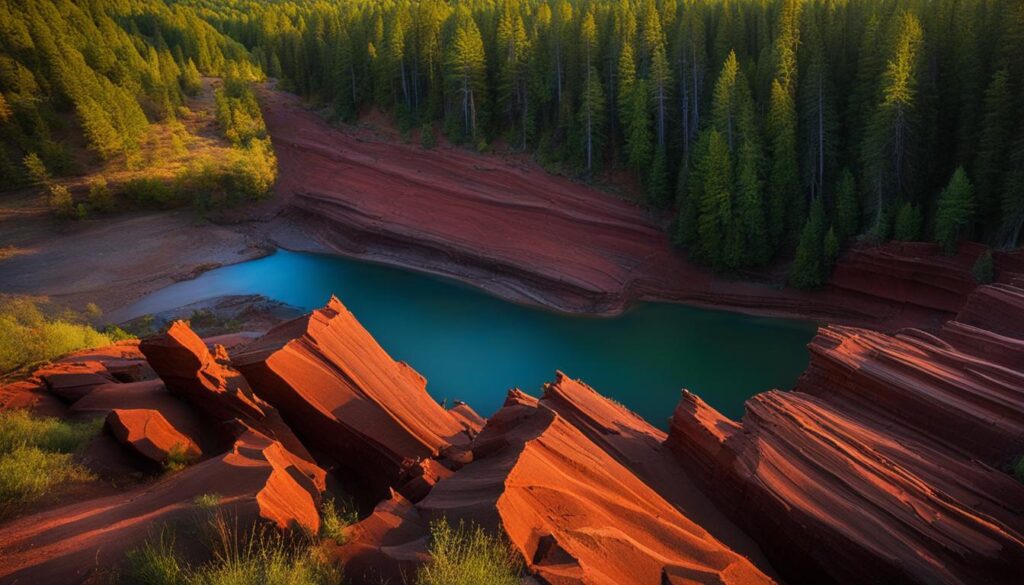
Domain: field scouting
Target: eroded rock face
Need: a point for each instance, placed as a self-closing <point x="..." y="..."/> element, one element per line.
<point x="914" y="273"/>
<point x="967" y="403"/>
<point x="573" y="512"/>
<point x="149" y="434"/>
<point x="834" y="495"/>
<point x="190" y="371"/>
<point x="385" y="547"/>
<point x="341" y="391"/>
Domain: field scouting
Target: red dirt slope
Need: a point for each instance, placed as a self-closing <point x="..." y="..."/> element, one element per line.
<point x="510" y="227"/>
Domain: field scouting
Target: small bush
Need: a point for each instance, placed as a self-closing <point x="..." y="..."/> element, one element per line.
<point x="427" y="138"/>
<point x="62" y="204"/>
<point x="35" y="168"/>
<point x="177" y="459"/>
<point x="150" y="193"/>
<point x="101" y="200"/>
<point x="468" y="556"/>
<point x="333" y="520"/>
<point x="983" y="270"/>
<point x="154" y="563"/>
<point x="208" y="501"/>
<point x="1018" y="469"/>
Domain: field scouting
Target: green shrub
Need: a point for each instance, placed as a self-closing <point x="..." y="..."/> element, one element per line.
<point x="208" y="501"/>
<point x="101" y="199"/>
<point x="983" y="270"/>
<point x="28" y="337"/>
<point x="468" y="556"/>
<point x="150" y="192"/>
<point x="35" y="168"/>
<point x="333" y="520"/>
<point x="62" y="205"/>
<point x="154" y="563"/>
<point x="177" y="459"/>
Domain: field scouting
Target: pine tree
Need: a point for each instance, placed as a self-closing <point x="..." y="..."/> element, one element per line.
<point x="990" y="164"/>
<point x="785" y="200"/>
<point x="886" y="144"/>
<point x="808" y="270"/>
<point x="956" y="210"/>
<point x="637" y="121"/>
<point x="715" y="214"/>
<point x="592" y="118"/>
<point x="847" y="209"/>
<point x="907" y="225"/>
<point x="467" y="75"/>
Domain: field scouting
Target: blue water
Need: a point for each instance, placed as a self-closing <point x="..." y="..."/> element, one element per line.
<point x="473" y="347"/>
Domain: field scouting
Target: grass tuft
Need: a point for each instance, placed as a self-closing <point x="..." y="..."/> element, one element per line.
<point x="334" y="521"/>
<point x="208" y="501"/>
<point x="466" y="555"/>
<point x="36" y="455"/>
<point x="177" y="459"/>
<point x="1018" y="469"/>
<point x="256" y="557"/>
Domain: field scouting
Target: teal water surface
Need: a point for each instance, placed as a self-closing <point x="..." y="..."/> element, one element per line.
<point x="473" y="347"/>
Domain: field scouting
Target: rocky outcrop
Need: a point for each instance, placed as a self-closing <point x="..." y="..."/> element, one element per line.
<point x="191" y="372"/>
<point x="998" y="308"/>
<point x="338" y="388"/>
<point x="834" y="496"/>
<point x="385" y="547"/>
<point x="255" y="482"/>
<point x="913" y="273"/>
<point x="149" y="434"/>
<point x="574" y="513"/>
<point x="968" y="404"/>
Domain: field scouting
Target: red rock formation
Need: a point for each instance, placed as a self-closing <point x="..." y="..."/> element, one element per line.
<point x="71" y="381"/>
<point x="983" y="343"/>
<point x="470" y="420"/>
<point x="338" y="388"/>
<point x="385" y="547"/>
<point x="574" y="513"/>
<point x="835" y="496"/>
<point x="149" y="434"/>
<point x="255" y="481"/>
<point x="190" y="371"/>
<point x="910" y="272"/>
<point x="967" y="403"/>
<point x="998" y="308"/>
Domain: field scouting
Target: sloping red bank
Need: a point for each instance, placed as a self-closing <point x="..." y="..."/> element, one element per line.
<point x="509" y="227"/>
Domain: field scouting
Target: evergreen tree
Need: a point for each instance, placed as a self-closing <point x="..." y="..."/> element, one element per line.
<point x="808" y="270"/>
<point x="907" y="225"/>
<point x="785" y="201"/>
<point x="467" y="73"/>
<point x="715" y="214"/>
<point x="956" y="210"/>
<point x="847" y="209"/>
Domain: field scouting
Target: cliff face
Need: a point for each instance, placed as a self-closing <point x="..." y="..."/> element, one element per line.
<point x="340" y="390"/>
<point x="883" y="465"/>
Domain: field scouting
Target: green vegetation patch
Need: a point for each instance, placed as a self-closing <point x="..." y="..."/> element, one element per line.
<point x="335" y="517"/>
<point x="36" y="455"/>
<point x="29" y="337"/>
<point x="466" y="555"/>
<point x="257" y="557"/>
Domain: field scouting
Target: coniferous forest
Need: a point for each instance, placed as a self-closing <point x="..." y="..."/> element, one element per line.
<point x="769" y="129"/>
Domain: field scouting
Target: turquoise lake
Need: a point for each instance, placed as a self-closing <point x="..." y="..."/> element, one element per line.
<point x="473" y="347"/>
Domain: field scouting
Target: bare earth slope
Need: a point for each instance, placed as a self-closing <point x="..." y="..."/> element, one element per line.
<point x="506" y="226"/>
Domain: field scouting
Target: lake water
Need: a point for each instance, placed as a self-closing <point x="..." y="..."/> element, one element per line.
<point x="473" y="347"/>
